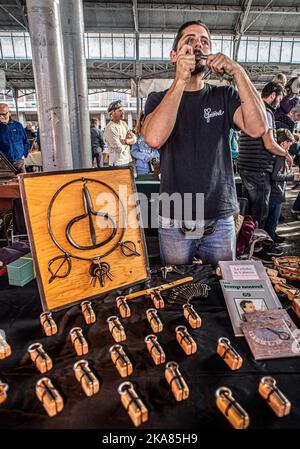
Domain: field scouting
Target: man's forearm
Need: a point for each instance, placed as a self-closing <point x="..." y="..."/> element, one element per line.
<point x="160" y="123"/>
<point x="253" y="109"/>
<point x="276" y="149"/>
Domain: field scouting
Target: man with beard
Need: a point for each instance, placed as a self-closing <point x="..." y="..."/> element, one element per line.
<point x="190" y="123"/>
<point x="256" y="163"/>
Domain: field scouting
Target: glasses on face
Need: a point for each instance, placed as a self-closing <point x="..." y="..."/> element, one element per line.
<point x="4" y="114"/>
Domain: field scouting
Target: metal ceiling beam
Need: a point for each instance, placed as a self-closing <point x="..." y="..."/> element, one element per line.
<point x="135" y="16"/>
<point x="209" y="8"/>
<point x="13" y="17"/>
<point x="21" y="9"/>
<point x="240" y="27"/>
<point x="111" y="75"/>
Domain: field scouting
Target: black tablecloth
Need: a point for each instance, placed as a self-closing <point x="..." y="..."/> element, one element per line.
<point x="204" y="372"/>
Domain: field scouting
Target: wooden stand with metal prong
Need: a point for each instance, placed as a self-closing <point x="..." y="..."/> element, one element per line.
<point x="156" y="351"/>
<point x="88" y="312"/>
<point x="123" y="307"/>
<point x="230" y="356"/>
<point x="132" y="403"/>
<point x="39" y="357"/>
<point x="296" y="306"/>
<point x="79" y="342"/>
<point x="154" y="320"/>
<point x="157" y="299"/>
<point x="5" y="349"/>
<point x="290" y="291"/>
<point x="191" y="316"/>
<point x="48" y="395"/>
<point x="231" y="409"/>
<point x="280" y="405"/>
<point x="185" y="340"/>
<point x="87" y="379"/>
<point x="177" y="383"/>
<point x="121" y="360"/>
<point x="116" y="329"/>
<point x="48" y="324"/>
<point x="3" y="392"/>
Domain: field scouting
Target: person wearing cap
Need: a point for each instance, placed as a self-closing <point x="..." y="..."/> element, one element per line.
<point x="118" y="136"/>
<point x="14" y="143"/>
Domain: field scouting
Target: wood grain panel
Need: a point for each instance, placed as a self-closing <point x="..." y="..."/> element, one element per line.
<point x="37" y="191"/>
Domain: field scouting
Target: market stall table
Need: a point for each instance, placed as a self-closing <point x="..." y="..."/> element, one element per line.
<point x="204" y="371"/>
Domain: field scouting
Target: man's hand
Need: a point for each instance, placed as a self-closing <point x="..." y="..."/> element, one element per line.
<point x="185" y="63"/>
<point x="220" y="63"/>
<point x="296" y="176"/>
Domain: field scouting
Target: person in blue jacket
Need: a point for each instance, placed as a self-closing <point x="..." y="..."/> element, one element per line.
<point x="146" y="157"/>
<point x="14" y="143"/>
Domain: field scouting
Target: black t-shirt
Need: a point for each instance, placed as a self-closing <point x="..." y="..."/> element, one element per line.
<point x="196" y="158"/>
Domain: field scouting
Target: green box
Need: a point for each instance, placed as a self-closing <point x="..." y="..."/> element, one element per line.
<point x="20" y="272"/>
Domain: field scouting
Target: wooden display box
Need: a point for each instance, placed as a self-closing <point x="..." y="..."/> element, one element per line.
<point x="37" y="191"/>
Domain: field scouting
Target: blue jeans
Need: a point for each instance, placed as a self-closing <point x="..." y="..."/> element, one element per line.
<point x="177" y="249"/>
<point x="273" y="219"/>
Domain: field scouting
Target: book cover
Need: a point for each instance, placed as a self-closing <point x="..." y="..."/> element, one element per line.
<point x="270" y="316"/>
<point x="242" y="270"/>
<point x="271" y="339"/>
<point x="246" y="297"/>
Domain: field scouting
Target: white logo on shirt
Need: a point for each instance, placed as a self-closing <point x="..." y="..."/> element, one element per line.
<point x="208" y="114"/>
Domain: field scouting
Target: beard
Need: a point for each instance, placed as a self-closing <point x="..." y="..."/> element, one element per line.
<point x="200" y="67"/>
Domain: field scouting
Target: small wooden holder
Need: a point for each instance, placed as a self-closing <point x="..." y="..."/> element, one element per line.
<point x="229" y="354"/>
<point x="290" y="291"/>
<point x="48" y="324"/>
<point x="48" y="395"/>
<point x="157" y="299"/>
<point x="154" y="320"/>
<point x="271" y="272"/>
<point x="123" y="307"/>
<point x="296" y="306"/>
<point x="3" y="392"/>
<point x="277" y="280"/>
<point x="177" y="383"/>
<point x="134" y="406"/>
<point x="88" y="312"/>
<point x="87" y="379"/>
<point x="231" y="409"/>
<point x="5" y="349"/>
<point x="191" y="316"/>
<point x="39" y="357"/>
<point x="121" y="360"/>
<point x="156" y="351"/>
<point x="280" y="405"/>
<point x="116" y="329"/>
<point x="79" y="342"/>
<point x="185" y="340"/>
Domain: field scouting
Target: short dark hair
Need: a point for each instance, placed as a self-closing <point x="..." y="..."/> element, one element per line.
<point x="183" y="27"/>
<point x="243" y="303"/>
<point x="94" y="122"/>
<point x="272" y="87"/>
<point x="284" y="135"/>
